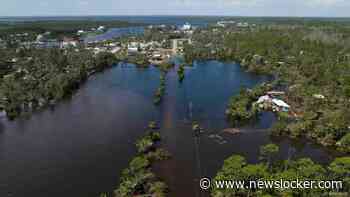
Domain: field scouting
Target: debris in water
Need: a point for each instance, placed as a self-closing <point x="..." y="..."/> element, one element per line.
<point x="218" y="139"/>
<point x="233" y="131"/>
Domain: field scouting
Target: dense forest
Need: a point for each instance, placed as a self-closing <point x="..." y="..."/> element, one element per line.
<point x="40" y="77"/>
<point x="310" y="63"/>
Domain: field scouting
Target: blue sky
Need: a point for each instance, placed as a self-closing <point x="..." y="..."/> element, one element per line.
<point x="325" y="8"/>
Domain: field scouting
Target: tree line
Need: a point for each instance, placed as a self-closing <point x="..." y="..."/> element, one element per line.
<point x="40" y="77"/>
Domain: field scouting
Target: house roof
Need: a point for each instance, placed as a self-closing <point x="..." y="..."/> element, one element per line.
<point x="263" y="99"/>
<point x="280" y="103"/>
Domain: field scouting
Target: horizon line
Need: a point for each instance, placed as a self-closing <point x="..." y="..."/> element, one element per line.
<point x="173" y="15"/>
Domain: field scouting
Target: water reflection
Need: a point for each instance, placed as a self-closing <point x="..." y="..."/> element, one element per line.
<point x="80" y="148"/>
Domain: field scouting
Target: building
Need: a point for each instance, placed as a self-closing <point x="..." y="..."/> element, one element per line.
<point x="281" y="104"/>
<point x="133" y="47"/>
<point x="101" y="28"/>
<point x="178" y="45"/>
<point x="225" y="23"/>
<point x="242" y="24"/>
<point x="268" y="101"/>
<point x="69" y="42"/>
<point x="186" y="27"/>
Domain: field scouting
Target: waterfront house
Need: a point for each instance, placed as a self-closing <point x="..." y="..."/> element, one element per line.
<point x="268" y="101"/>
<point x="265" y="98"/>
<point x="281" y="105"/>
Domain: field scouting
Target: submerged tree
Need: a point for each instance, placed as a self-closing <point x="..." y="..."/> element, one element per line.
<point x="268" y="152"/>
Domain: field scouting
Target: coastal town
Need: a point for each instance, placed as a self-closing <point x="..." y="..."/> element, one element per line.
<point x="159" y="50"/>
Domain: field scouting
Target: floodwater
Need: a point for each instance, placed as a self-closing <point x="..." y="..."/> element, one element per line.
<point x="80" y="147"/>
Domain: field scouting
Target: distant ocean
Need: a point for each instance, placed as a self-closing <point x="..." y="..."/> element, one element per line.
<point x="151" y="20"/>
<point x="178" y="20"/>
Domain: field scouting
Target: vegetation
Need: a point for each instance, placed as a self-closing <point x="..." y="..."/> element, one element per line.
<point x="241" y="108"/>
<point x="181" y="73"/>
<point x="311" y="61"/>
<point x="164" y="67"/>
<point x="161" y="90"/>
<point x="237" y="168"/>
<point x="139" y="59"/>
<point x="138" y="179"/>
<point x="146" y="143"/>
<point x="40" y="77"/>
<point x="268" y="152"/>
<point x="57" y="28"/>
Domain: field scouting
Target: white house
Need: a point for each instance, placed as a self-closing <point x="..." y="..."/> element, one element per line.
<point x="101" y="28"/>
<point x="281" y="104"/>
<point x="263" y="99"/>
<point x="186" y="27"/>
